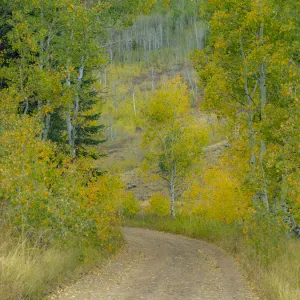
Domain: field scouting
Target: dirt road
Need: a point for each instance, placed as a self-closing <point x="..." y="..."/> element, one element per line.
<point x="160" y="266"/>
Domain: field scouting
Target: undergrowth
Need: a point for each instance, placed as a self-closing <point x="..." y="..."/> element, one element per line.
<point x="30" y="270"/>
<point x="271" y="261"/>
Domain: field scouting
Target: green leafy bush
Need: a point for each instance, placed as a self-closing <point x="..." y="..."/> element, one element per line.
<point x="130" y="206"/>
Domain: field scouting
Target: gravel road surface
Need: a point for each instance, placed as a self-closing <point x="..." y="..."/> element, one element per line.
<point x="161" y="266"/>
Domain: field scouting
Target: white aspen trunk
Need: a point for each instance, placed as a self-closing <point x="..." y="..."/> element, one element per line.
<point x="251" y="127"/>
<point x="76" y="106"/>
<point x="26" y="106"/>
<point x="105" y="77"/>
<point x="172" y="182"/>
<point x="263" y="102"/>
<point x="70" y="132"/>
<point x="44" y="49"/>
<point x="250" y="116"/>
<point x="153" y="78"/>
<point x="71" y="126"/>
<point x="110" y="53"/>
<point x="196" y="32"/>
<point x="41" y="66"/>
<point x="173" y="195"/>
<point x="173" y="201"/>
<point x="133" y="102"/>
<point x="69" y="122"/>
<point x="161" y="34"/>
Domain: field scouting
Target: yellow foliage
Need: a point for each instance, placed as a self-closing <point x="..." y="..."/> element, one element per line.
<point x="42" y="188"/>
<point x="159" y="205"/>
<point x="219" y="196"/>
<point x="130" y="206"/>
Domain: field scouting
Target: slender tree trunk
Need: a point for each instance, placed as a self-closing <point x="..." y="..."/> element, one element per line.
<point x="263" y="103"/>
<point x="153" y="78"/>
<point x="26" y="106"/>
<point x="69" y="122"/>
<point x="251" y="126"/>
<point x="173" y="193"/>
<point x="196" y="33"/>
<point x="250" y="115"/>
<point x="133" y="102"/>
<point x="70" y="132"/>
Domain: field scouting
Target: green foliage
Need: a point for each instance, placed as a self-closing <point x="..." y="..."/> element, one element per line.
<point x="130" y="206"/>
<point x="248" y="74"/>
<point x="265" y="234"/>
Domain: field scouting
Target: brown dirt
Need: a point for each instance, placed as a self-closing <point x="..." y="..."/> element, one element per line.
<point x="161" y="266"/>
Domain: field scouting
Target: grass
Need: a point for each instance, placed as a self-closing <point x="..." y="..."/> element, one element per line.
<point x="272" y="263"/>
<point x="30" y="271"/>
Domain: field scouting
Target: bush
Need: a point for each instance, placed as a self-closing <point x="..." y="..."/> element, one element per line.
<point x="159" y="205"/>
<point x="56" y="213"/>
<point x="130" y="206"/>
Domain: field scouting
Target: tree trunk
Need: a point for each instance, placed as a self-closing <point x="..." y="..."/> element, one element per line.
<point x="133" y="102"/>
<point x="153" y="78"/>
<point x="251" y="127"/>
<point x="70" y="130"/>
<point x="250" y="115"/>
<point x="263" y="102"/>
<point x="173" y="193"/>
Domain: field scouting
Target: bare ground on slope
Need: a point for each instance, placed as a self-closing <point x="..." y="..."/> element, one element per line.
<point x="161" y="266"/>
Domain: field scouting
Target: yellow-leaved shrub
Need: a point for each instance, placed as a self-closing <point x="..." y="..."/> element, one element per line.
<point x="222" y="197"/>
<point x="43" y="189"/>
<point x="159" y="205"/>
<point x="130" y="206"/>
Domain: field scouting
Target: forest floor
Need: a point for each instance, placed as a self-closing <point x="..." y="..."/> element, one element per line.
<point x="161" y="266"/>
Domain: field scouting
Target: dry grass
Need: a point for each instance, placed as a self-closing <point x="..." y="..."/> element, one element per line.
<point x="282" y="277"/>
<point x="29" y="270"/>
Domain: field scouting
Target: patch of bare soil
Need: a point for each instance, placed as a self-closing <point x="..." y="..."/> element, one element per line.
<point x="161" y="266"/>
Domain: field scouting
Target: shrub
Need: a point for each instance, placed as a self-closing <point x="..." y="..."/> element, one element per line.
<point x="159" y="205"/>
<point x="130" y="206"/>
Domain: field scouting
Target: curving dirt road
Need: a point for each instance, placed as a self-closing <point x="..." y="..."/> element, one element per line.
<point x="161" y="266"/>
